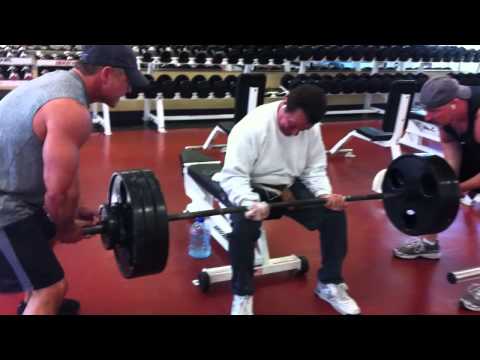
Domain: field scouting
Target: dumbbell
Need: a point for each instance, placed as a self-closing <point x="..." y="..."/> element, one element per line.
<point x="360" y="83"/>
<point x="314" y="79"/>
<point x="248" y="56"/>
<point x="447" y="53"/>
<point x="345" y="52"/>
<point x="167" y="89"/>
<point x="476" y="56"/>
<point x="348" y="84"/>
<point x="332" y="52"/>
<point x="319" y="52"/>
<point x="13" y="73"/>
<point x="292" y="52"/>
<point x="197" y="78"/>
<point x="393" y="52"/>
<point x="218" y="57"/>
<point x="335" y="85"/>
<point x="218" y="86"/>
<point x="165" y="57"/>
<point x="178" y="80"/>
<point x="459" y="54"/>
<point x="26" y="73"/>
<point x="469" y="55"/>
<point x="358" y="52"/>
<point x="202" y="88"/>
<point x="231" y="81"/>
<point x="264" y="55"/>
<point x="405" y="53"/>
<point x="305" y="52"/>
<point x="279" y="55"/>
<point x="286" y="80"/>
<point x="369" y="53"/>
<point x="233" y="56"/>
<point x="327" y="83"/>
<point x="151" y="90"/>
<point x="381" y="53"/>
<point x="200" y="57"/>
<point x="374" y="84"/>
<point x="183" y="57"/>
<point x="147" y="57"/>
<point x="185" y="88"/>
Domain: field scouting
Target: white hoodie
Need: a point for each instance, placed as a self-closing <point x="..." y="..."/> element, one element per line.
<point x="258" y="152"/>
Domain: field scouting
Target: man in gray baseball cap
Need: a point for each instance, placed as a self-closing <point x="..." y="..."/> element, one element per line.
<point x="454" y="108"/>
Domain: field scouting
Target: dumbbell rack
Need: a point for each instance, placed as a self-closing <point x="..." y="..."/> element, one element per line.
<point x="226" y="66"/>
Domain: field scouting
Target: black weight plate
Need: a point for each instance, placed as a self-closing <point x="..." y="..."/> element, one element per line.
<point x="428" y="194"/>
<point x="160" y="247"/>
<point x="123" y="191"/>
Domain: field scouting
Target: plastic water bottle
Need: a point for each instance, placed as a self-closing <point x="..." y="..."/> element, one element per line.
<point x="199" y="247"/>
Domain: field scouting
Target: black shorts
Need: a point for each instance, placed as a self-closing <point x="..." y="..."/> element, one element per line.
<point x="27" y="260"/>
<point x="470" y="165"/>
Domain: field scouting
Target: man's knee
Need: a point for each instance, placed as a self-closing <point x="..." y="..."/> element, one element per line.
<point x="328" y="218"/>
<point x="48" y="300"/>
<point x="243" y="228"/>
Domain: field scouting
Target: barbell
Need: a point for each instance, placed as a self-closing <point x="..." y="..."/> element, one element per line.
<point x="421" y="195"/>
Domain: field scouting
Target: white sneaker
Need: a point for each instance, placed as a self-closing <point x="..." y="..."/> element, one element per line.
<point x="337" y="296"/>
<point x="242" y="305"/>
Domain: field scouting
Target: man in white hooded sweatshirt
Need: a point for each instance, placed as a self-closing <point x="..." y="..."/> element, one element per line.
<point x="276" y="153"/>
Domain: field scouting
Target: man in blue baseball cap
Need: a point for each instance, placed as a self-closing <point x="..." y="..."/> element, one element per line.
<point x="454" y="108"/>
<point x="116" y="56"/>
<point x="44" y="123"/>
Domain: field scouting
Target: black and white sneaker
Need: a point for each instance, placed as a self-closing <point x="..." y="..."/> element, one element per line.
<point x="416" y="248"/>
<point x="68" y="307"/>
<point x="471" y="300"/>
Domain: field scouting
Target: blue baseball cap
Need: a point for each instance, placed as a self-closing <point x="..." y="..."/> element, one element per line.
<point x="118" y="56"/>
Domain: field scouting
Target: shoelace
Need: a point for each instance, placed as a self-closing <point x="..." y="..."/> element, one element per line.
<point x="474" y="290"/>
<point x="414" y="243"/>
<point x="243" y="304"/>
<point x="339" y="291"/>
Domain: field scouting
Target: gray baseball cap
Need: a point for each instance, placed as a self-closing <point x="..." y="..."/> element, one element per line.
<point x="441" y="90"/>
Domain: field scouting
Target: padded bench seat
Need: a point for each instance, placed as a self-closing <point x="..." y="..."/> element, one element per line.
<point x="202" y="174"/>
<point x="375" y="134"/>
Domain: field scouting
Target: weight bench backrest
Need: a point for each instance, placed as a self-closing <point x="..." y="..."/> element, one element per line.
<point x="398" y="89"/>
<point x="245" y="83"/>
<point x="243" y="103"/>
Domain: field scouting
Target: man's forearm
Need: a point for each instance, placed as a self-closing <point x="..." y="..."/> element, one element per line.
<point x="470" y="184"/>
<point x="62" y="207"/>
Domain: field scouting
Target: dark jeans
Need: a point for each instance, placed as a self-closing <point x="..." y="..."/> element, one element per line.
<point x="332" y="226"/>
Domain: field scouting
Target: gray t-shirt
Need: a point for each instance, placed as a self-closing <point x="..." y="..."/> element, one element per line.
<point x="22" y="188"/>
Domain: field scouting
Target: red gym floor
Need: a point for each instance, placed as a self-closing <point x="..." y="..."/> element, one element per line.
<point x="380" y="283"/>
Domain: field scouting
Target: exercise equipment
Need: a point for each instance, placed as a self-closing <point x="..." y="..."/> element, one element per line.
<point x="420" y="194"/>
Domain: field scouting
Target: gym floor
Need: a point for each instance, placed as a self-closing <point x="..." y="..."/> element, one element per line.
<point x="381" y="284"/>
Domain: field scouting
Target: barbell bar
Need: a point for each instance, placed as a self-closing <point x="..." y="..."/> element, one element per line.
<point x="455" y="277"/>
